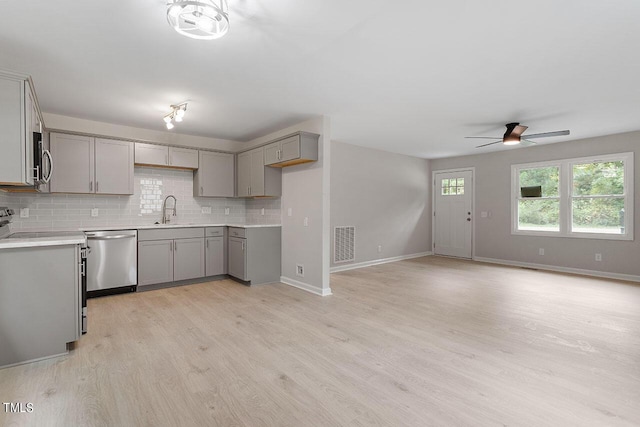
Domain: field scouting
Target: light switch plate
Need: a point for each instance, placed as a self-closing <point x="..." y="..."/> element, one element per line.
<point x="24" y="213"/>
<point x="226" y="211"/>
<point x="262" y="211"/>
<point x="206" y="209"/>
<point x="94" y="212"/>
<point x="289" y="212"/>
<point x="306" y="221"/>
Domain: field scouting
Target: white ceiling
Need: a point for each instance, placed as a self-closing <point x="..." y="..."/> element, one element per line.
<point x="412" y="77"/>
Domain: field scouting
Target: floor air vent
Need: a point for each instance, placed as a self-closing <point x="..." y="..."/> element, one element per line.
<point x="344" y="243"/>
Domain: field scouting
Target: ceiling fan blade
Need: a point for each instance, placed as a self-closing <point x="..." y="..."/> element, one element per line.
<point x="526" y="142"/>
<point x="491" y="143"/>
<point x="548" y="134"/>
<point x="483" y="137"/>
<point x="518" y="130"/>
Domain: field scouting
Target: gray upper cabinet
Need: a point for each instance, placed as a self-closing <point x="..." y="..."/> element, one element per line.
<point x="163" y="156"/>
<point x="73" y="171"/>
<point x="113" y="166"/>
<point x="215" y="176"/>
<point x="19" y="118"/>
<point x="254" y="179"/>
<point x="151" y="154"/>
<point x="183" y="158"/>
<point x="244" y="174"/>
<point x="85" y="164"/>
<point x="301" y="147"/>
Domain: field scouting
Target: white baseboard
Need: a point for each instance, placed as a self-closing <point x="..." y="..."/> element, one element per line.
<point x="583" y="272"/>
<point x="377" y="261"/>
<point x="306" y="287"/>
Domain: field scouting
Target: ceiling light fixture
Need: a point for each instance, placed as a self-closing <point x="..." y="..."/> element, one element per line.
<point x="176" y="115"/>
<point x="199" y="19"/>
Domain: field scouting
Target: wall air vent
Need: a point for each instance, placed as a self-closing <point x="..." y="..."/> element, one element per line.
<point x="344" y="244"/>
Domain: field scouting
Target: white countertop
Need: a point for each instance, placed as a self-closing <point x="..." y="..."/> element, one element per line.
<point x="80" y="239"/>
<point x="76" y="239"/>
<point x="158" y="226"/>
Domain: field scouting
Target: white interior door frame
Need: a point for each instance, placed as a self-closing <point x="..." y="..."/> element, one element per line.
<point x="471" y="169"/>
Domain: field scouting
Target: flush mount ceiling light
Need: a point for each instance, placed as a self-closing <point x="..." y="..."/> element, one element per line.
<point x="176" y="115"/>
<point x="201" y="19"/>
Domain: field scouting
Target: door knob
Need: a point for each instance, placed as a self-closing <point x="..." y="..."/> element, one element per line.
<point x="468" y="219"/>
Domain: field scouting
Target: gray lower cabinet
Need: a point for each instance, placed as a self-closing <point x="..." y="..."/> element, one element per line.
<point x="255" y="254"/>
<point x="155" y="262"/>
<point x="40" y="303"/>
<point x="238" y="258"/>
<point x="188" y="259"/>
<point x="170" y="255"/>
<point x="215" y="251"/>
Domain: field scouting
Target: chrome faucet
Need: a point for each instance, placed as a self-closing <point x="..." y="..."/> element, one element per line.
<point x="165" y="218"/>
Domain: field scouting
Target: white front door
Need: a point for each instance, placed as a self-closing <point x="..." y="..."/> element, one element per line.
<point x="453" y="225"/>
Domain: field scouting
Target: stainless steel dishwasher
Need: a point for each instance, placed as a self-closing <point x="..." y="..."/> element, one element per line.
<point x="112" y="262"/>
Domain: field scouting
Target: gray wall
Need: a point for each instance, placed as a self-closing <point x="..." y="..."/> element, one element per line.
<point x="493" y="237"/>
<point x="386" y="196"/>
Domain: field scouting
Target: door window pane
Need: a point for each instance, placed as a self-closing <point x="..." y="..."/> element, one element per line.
<point x="453" y="186"/>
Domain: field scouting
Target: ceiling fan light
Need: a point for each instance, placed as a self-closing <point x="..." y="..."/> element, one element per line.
<point x="199" y="19"/>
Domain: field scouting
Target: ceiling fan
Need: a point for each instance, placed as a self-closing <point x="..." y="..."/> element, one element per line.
<point x="514" y="136"/>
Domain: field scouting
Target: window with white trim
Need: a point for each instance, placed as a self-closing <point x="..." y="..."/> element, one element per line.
<point x="586" y="197"/>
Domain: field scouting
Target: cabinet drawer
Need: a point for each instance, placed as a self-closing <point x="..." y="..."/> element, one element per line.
<point x="237" y="232"/>
<point x="170" y="233"/>
<point x="214" y="231"/>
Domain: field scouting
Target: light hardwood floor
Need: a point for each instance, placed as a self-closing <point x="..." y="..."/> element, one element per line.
<point x="431" y="341"/>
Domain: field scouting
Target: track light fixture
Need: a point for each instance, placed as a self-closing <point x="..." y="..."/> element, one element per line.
<point x="176" y="115"/>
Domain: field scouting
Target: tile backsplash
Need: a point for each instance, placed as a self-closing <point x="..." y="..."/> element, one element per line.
<point x="144" y="207"/>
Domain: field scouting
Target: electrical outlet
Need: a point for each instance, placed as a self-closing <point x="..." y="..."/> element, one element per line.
<point x="226" y="211"/>
<point x="206" y="209"/>
<point x="94" y="213"/>
<point x="379" y="248"/>
<point x="289" y="212"/>
<point x="262" y="211"/>
<point x="598" y="257"/>
<point x="300" y="270"/>
<point x="541" y="251"/>
<point x="24" y="213"/>
<point x="306" y="221"/>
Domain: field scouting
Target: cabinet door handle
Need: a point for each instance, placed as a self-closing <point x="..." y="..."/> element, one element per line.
<point x="166" y="159"/>
<point x="97" y="183"/>
<point x="201" y="191"/>
<point x="90" y="186"/>
<point x="171" y="247"/>
<point x="175" y="246"/>
<point x="243" y="247"/>
<point x="207" y="244"/>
